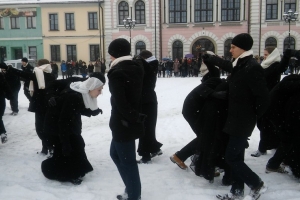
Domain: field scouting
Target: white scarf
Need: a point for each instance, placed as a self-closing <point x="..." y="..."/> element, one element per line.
<point x="245" y="54"/>
<point x="84" y="88"/>
<point x="150" y="59"/>
<point x="203" y="68"/>
<point x="120" y="59"/>
<point x="39" y="73"/>
<point x="273" y="57"/>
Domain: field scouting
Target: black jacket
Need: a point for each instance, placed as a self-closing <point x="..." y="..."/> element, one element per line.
<point x="27" y="69"/>
<point x="5" y="91"/>
<point x="38" y="102"/>
<point x="248" y="97"/>
<point x="13" y="81"/>
<point x="125" y="85"/>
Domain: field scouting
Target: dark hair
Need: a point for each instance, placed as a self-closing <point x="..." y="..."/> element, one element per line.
<point x="99" y="75"/>
<point x="270" y="49"/>
<point x="145" y="54"/>
<point x="43" y="62"/>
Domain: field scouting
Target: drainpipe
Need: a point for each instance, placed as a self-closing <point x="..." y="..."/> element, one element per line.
<point x="155" y="28"/>
<point x="249" y="17"/>
<point x="100" y="43"/>
<point x="244" y="10"/>
<point x="160" y="30"/>
<point x="102" y="33"/>
<point x="259" y="38"/>
<point x="164" y="11"/>
<point x="217" y="6"/>
<point x="190" y="11"/>
<point x="281" y="10"/>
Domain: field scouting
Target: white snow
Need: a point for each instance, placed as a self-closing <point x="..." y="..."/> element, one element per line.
<point x="21" y="176"/>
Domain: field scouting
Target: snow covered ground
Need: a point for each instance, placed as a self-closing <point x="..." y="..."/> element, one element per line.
<point x="21" y="176"/>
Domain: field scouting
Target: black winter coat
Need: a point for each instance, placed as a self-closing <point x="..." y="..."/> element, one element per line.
<point x="38" y="102"/>
<point x="5" y="91"/>
<point x="13" y="81"/>
<point x="248" y="97"/>
<point x="27" y="69"/>
<point x="273" y="73"/>
<point x="125" y="85"/>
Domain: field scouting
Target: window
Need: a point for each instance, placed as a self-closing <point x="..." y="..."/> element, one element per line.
<point x="94" y="52"/>
<point x="290" y="4"/>
<point x="53" y="18"/>
<point x="272" y="9"/>
<point x="55" y="53"/>
<point x="177" y="11"/>
<point x="203" y="10"/>
<point x="177" y="50"/>
<point x="123" y="12"/>
<point x="202" y="45"/>
<point x="288" y="44"/>
<point x="231" y="10"/>
<point x="14" y="23"/>
<point x="93" y="21"/>
<point x="2" y="53"/>
<point x="139" y="46"/>
<point x="140" y="12"/>
<point x="70" y="21"/>
<point x="71" y="52"/>
<point x="227" y="46"/>
<point x="32" y="53"/>
<point x="31" y="22"/>
<point x="1" y="23"/>
<point x="271" y="42"/>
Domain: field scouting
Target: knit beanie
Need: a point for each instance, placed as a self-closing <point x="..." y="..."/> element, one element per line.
<point x="243" y="41"/>
<point x="119" y="47"/>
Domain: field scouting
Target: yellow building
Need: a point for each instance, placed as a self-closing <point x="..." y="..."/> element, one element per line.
<point x="72" y="31"/>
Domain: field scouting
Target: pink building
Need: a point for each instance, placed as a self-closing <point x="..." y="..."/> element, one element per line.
<point x="173" y="28"/>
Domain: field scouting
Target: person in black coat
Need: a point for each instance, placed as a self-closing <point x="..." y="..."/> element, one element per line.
<point x="14" y="83"/>
<point x="126" y="121"/>
<point x="273" y="67"/>
<point x="5" y="92"/>
<point x="69" y="161"/>
<point x="26" y="67"/>
<point x="247" y="100"/>
<point x="54" y="68"/>
<point x="39" y="80"/>
<point x="148" y="146"/>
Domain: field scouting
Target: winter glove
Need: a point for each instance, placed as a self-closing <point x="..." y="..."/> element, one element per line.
<point x="220" y="95"/>
<point x="52" y="102"/>
<point x="3" y="66"/>
<point x="96" y="112"/>
<point x="66" y="149"/>
<point x="141" y="118"/>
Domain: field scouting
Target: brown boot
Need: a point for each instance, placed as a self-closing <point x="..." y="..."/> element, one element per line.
<point x="177" y="161"/>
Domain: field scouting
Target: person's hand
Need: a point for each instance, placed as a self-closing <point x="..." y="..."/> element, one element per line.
<point x="141" y="118"/>
<point x="206" y="57"/>
<point x="220" y="95"/>
<point x="52" y="102"/>
<point x="3" y="66"/>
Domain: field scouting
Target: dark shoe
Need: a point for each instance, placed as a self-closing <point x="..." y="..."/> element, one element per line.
<point x="3" y="138"/>
<point x="76" y="181"/>
<point x="144" y="160"/>
<point x="14" y="113"/>
<point x="229" y="196"/>
<point x="259" y="190"/>
<point x="44" y="151"/>
<point x="177" y="161"/>
<point x="258" y="153"/>
<point x="156" y="153"/>
<point x="280" y="169"/>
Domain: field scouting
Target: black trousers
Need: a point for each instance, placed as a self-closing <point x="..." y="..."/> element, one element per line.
<point x="2" y="109"/>
<point x="281" y="153"/>
<point x="39" y="127"/>
<point x="27" y="93"/>
<point x="148" y="143"/>
<point x="14" y="103"/>
<point x="188" y="150"/>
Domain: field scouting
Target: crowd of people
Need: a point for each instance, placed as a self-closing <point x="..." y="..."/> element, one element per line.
<point x="221" y="112"/>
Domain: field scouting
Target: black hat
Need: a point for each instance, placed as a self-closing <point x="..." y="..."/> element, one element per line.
<point x="25" y="60"/>
<point x="243" y="41"/>
<point x="119" y="47"/>
<point x="99" y="76"/>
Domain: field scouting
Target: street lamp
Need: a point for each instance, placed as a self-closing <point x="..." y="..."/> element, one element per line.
<point x="129" y="24"/>
<point x="288" y="17"/>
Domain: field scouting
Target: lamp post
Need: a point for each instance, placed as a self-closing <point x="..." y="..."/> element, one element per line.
<point x="288" y="17"/>
<point x="129" y="24"/>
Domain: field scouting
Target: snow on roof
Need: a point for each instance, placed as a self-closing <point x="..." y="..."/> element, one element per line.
<point x="12" y="2"/>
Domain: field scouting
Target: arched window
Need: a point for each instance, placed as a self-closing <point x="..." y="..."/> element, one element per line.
<point x="289" y="44"/>
<point x="140" y="12"/>
<point x="271" y="42"/>
<point x="227" y="46"/>
<point x="202" y="45"/>
<point x="139" y="46"/>
<point x="123" y="11"/>
<point x="177" y="11"/>
<point x="177" y="50"/>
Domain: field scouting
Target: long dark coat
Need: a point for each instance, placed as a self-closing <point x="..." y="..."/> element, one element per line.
<point x="248" y="97"/>
<point x="63" y="124"/>
<point x="125" y="85"/>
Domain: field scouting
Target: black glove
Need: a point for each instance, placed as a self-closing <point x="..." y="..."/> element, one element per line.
<point x="66" y="149"/>
<point x="206" y="57"/>
<point x="52" y="102"/>
<point x="96" y="112"/>
<point x="220" y="95"/>
<point x="3" y="66"/>
<point x="141" y="118"/>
